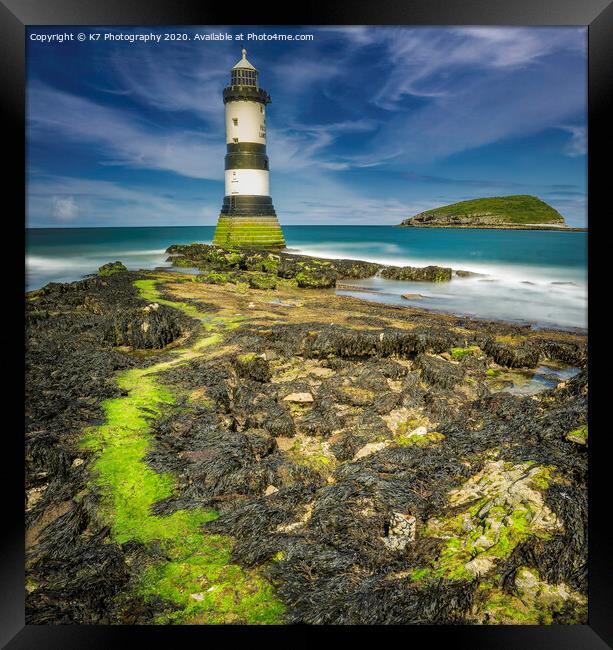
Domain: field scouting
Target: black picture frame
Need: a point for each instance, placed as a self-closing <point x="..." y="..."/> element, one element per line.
<point x="597" y="15"/>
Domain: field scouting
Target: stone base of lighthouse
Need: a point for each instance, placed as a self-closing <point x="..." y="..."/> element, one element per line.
<point x="248" y="222"/>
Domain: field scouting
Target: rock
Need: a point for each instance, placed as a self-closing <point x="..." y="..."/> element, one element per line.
<point x="467" y="274"/>
<point x="417" y="274"/>
<point x="512" y="352"/>
<point x="111" y="268"/>
<point x="402" y="528"/>
<point x="285" y="443"/>
<point x="271" y="489"/>
<point x="479" y="566"/>
<point x="412" y="296"/>
<point x="420" y="431"/>
<point x="309" y="272"/>
<point x="262" y="281"/>
<point x="578" y="436"/>
<point x="150" y="327"/>
<point x="299" y="398"/>
<point x="316" y="278"/>
<point x="253" y="366"/>
<point x="197" y="596"/>
<point x="370" y="448"/>
<point x="439" y="372"/>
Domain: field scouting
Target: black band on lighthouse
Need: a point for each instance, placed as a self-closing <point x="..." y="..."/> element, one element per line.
<point x="246" y="161"/>
<point x="245" y="147"/>
<point x="247" y="205"/>
<point x="246" y="94"/>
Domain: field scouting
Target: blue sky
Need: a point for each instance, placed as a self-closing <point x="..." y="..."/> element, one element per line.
<point x="368" y="125"/>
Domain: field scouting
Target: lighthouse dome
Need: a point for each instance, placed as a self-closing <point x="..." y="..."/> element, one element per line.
<point x="243" y="73"/>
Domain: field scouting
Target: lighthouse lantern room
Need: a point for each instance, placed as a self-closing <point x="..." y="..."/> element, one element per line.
<point x="248" y="217"/>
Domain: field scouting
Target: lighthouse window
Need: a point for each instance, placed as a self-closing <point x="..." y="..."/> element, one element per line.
<point x="235" y="120"/>
<point x="235" y="140"/>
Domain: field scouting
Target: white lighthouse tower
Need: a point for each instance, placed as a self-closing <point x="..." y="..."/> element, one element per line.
<point x="248" y="217"/>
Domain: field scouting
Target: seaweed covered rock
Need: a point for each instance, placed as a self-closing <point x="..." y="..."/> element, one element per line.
<point x="253" y="366"/>
<point x="262" y="281"/>
<point x="438" y="371"/>
<point x="316" y="278"/>
<point x="417" y="274"/>
<point x="512" y="352"/>
<point x="309" y="272"/>
<point x="153" y="326"/>
<point x="111" y="268"/>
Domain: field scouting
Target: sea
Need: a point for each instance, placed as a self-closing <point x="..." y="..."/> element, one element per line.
<point x="524" y="276"/>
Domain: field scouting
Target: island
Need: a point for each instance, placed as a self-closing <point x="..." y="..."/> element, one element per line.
<point x="515" y="212"/>
<point x="244" y="446"/>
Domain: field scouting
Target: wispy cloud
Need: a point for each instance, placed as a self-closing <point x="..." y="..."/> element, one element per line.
<point x="577" y="145"/>
<point x="121" y="138"/>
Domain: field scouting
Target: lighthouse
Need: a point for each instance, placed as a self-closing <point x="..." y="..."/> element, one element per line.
<point x="248" y="217"/>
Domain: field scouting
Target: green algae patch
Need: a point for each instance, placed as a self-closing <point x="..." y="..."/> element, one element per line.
<point x="460" y="353"/>
<point x="313" y="452"/>
<point x="147" y="289"/>
<point x="215" y="278"/>
<point x="578" y="435"/>
<point x="503" y="507"/>
<point x="532" y="601"/>
<point x="417" y="439"/>
<point x="196" y="577"/>
<point x="196" y="563"/>
<point x="201" y="580"/>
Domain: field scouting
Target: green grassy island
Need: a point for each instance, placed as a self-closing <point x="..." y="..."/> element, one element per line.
<point x="520" y="211"/>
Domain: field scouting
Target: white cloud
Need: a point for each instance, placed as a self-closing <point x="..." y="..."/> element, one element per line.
<point x="106" y="203"/>
<point x="65" y="209"/>
<point x="577" y="145"/>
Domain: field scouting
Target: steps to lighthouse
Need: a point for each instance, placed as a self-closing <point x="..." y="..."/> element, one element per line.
<point x="264" y="232"/>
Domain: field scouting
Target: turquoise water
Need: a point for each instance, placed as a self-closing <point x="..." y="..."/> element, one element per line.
<point x="526" y="276"/>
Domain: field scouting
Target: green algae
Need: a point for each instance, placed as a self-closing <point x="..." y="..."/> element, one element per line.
<point x="460" y="353"/>
<point x="311" y="452"/>
<point x="411" y="440"/>
<point x="506" y="508"/>
<point x="147" y="289"/>
<point x="532" y="601"/>
<point x="578" y="435"/>
<point x="196" y="576"/>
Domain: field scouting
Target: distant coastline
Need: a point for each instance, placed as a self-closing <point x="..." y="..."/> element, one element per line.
<point x="510" y="226"/>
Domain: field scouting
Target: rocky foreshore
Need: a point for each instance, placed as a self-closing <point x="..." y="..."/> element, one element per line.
<point x="306" y="271"/>
<point x="245" y="446"/>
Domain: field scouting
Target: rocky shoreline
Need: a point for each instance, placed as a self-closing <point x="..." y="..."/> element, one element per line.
<point x="244" y="446"/>
<point x="498" y="226"/>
